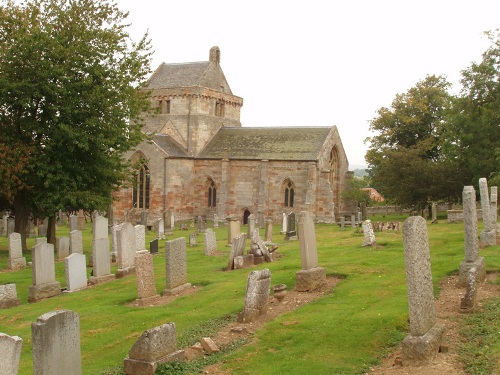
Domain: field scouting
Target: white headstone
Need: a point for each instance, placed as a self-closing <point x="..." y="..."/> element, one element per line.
<point x="76" y="272"/>
<point x="16" y="260"/>
<point x="140" y="237"/>
<point x="75" y="242"/>
<point x="10" y="347"/>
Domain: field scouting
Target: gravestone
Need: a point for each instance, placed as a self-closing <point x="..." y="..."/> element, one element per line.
<point x="153" y="246"/>
<point x="471" y="243"/>
<point x="284" y="224"/>
<point x="468" y="301"/>
<point x="8" y="297"/>
<point x="160" y="229"/>
<point x="434" y="212"/>
<point x="192" y="239"/>
<point x="269" y="230"/>
<point x="156" y="345"/>
<point x="201" y="225"/>
<point x="56" y="344"/>
<point x="140" y="237"/>
<point x="251" y="225"/>
<point x="422" y="344"/>
<point x="76" y="272"/>
<point x="42" y="230"/>
<point x="146" y="287"/>
<point x="176" y="266"/>
<point x="257" y="295"/>
<point x="493" y="204"/>
<point x="44" y="276"/>
<point x="167" y="219"/>
<point x="210" y="242"/>
<point x="144" y="219"/>
<point x="237" y="249"/>
<point x="172" y="221"/>
<point x="4" y="226"/>
<point x="80" y="220"/>
<point x="101" y="262"/>
<point x="11" y="225"/>
<point x="126" y="250"/>
<point x="342" y="223"/>
<point x="30" y="231"/>
<point x="291" y="233"/>
<point x="311" y="277"/>
<point x="73" y="223"/>
<point x="353" y="221"/>
<point x="16" y="260"/>
<point x="360" y="217"/>
<point x="488" y="235"/>
<point x="114" y="241"/>
<point x="10" y="347"/>
<point x="216" y="221"/>
<point x="369" y="235"/>
<point x="62" y="247"/>
<point x="75" y="242"/>
<point x="233" y="228"/>
<point x="260" y="220"/>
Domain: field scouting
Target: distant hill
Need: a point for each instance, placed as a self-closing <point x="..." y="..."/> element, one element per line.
<point x="360" y="172"/>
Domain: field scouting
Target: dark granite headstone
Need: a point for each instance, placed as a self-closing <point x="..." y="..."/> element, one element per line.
<point x="153" y="246"/>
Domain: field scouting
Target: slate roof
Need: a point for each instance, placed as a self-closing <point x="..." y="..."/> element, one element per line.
<point x="178" y="75"/>
<point x="171" y="147"/>
<point x="295" y="143"/>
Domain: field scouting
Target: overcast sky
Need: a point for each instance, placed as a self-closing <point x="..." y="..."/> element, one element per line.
<point x="319" y="62"/>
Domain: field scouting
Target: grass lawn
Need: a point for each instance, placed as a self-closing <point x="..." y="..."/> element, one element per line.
<point x="345" y="332"/>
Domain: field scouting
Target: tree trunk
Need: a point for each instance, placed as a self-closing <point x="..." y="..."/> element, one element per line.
<point x="51" y="230"/>
<point x="21" y="218"/>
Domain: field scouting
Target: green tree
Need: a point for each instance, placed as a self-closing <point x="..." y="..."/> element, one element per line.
<point x="406" y="162"/>
<point x="69" y="103"/>
<point x="473" y="131"/>
<point x="353" y="192"/>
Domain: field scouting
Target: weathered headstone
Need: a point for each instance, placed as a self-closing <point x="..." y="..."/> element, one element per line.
<point x="311" y="277"/>
<point x="269" y="230"/>
<point x="233" y="228"/>
<point x="126" y="250"/>
<point x="4" y="226"/>
<point x="114" y="241"/>
<point x="140" y="237"/>
<point x="160" y="229"/>
<point x="369" y="235"/>
<point x="30" y="230"/>
<point x="493" y="204"/>
<point x="44" y="276"/>
<point x="176" y="266"/>
<point x="257" y="295"/>
<point x="76" y="272"/>
<point x="251" y="225"/>
<point x="62" y="247"/>
<point x="75" y="242"/>
<point x="360" y="216"/>
<point x="284" y="226"/>
<point x="8" y="297"/>
<point x="488" y="235"/>
<point x="423" y="342"/>
<point x="101" y="262"/>
<point x="11" y="225"/>
<point x="73" y="223"/>
<point x="144" y="219"/>
<point x="434" y="212"/>
<point x="216" y="221"/>
<point x="192" y="239"/>
<point x="56" y="344"/>
<point x="16" y="260"/>
<point x="42" y="230"/>
<point x="237" y="249"/>
<point x="210" y="242"/>
<point x="172" y="221"/>
<point x="146" y="286"/>
<point x="291" y="233"/>
<point x="156" y="345"/>
<point x="353" y="221"/>
<point x="260" y="220"/>
<point x="468" y="301"/>
<point x="80" y="220"/>
<point x="10" y="347"/>
<point x="201" y="224"/>
<point x="153" y="246"/>
<point x="471" y="244"/>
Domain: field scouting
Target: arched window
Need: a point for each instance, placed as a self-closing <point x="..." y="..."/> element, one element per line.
<point x="289" y="192"/>
<point x="212" y="194"/>
<point x="333" y="165"/>
<point x="140" y="193"/>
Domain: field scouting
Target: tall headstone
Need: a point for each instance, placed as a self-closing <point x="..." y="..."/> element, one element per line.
<point x="56" y="344"/>
<point x="4" y="226"/>
<point x="353" y="221"/>
<point x="16" y="260"/>
<point x="80" y="220"/>
<point x="311" y="277"/>
<point x="156" y="345"/>
<point x="101" y="262"/>
<point x="488" y="235"/>
<point x="76" y="272"/>
<point x="44" y="275"/>
<point x="291" y="233"/>
<point x="126" y="250"/>
<point x="360" y="216"/>
<point x="10" y="347"/>
<point x="146" y="286"/>
<point x="160" y="229"/>
<point x="114" y="241"/>
<point x="471" y="243"/>
<point x="251" y="225"/>
<point x="233" y="228"/>
<point x="257" y="295"/>
<point x="422" y="344"/>
<point x="8" y="298"/>
<point x="75" y="242"/>
<point x="140" y="237"/>
<point x="73" y="223"/>
<point x="284" y="226"/>
<point x="216" y="221"/>
<point x="210" y="242"/>
<point x="269" y="230"/>
<point x="369" y="235"/>
<point x="172" y="221"/>
<point x="434" y="212"/>
<point x="62" y="247"/>
<point x="176" y="266"/>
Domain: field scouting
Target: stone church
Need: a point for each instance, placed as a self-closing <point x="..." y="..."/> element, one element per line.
<point x="200" y="160"/>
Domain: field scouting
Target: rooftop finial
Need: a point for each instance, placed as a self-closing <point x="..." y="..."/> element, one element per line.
<point x="215" y="55"/>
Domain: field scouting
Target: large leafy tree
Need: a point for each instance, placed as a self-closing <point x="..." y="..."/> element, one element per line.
<point x="405" y="156"/>
<point x="473" y="132"/>
<point x="69" y="100"/>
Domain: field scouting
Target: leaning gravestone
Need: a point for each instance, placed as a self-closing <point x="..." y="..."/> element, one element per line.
<point x="10" y="347"/>
<point x="8" y="297"/>
<point x="210" y="242"/>
<point x="471" y="244"/>
<point x="176" y="266"/>
<point x="311" y="277"/>
<point x="257" y="295"/>
<point x="56" y="344"/>
<point x="146" y="286"/>
<point x="369" y="235"/>
<point x="44" y="276"/>
<point x="126" y="249"/>
<point x="156" y="345"/>
<point x="488" y="235"/>
<point x="75" y="242"/>
<point x="101" y="262"/>
<point x="16" y="260"/>
<point x="422" y="344"/>
<point x="76" y="272"/>
<point x="62" y="247"/>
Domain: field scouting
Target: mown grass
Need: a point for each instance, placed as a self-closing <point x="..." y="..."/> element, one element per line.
<point x="344" y="332"/>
